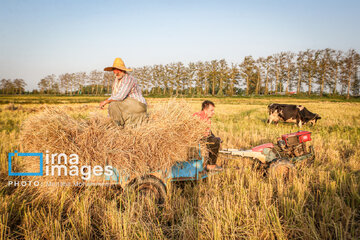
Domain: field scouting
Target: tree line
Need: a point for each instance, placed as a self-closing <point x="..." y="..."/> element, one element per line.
<point x="16" y="86"/>
<point x="311" y="71"/>
<point x="325" y="71"/>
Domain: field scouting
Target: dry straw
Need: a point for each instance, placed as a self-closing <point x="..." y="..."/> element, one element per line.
<point x="154" y="145"/>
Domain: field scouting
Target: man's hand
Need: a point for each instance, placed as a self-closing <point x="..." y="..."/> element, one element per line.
<point x="103" y="103"/>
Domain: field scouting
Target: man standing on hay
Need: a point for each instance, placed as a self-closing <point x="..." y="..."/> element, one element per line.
<point x="212" y="142"/>
<point x="127" y="106"/>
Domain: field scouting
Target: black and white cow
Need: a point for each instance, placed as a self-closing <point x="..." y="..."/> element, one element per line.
<point x="291" y="113"/>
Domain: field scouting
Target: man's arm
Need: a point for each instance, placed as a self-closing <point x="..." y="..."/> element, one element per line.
<point x="124" y="89"/>
<point x="103" y="103"/>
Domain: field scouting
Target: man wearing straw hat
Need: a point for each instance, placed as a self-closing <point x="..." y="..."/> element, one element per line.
<point x="127" y="106"/>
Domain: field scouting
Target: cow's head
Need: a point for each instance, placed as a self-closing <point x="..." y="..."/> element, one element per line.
<point x="314" y="120"/>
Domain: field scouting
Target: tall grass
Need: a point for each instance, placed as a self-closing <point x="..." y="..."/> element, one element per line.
<point x="321" y="202"/>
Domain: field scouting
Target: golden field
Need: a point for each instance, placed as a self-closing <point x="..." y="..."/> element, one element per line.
<point x="321" y="202"/>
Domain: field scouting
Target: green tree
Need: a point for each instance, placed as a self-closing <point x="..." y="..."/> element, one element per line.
<point x="95" y="79"/>
<point x="324" y="64"/>
<point x="310" y="66"/>
<point x="299" y="66"/>
<point x="44" y="85"/>
<point x="233" y="78"/>
<point x="7" y="86"/>
<point x="267" y="66"/>
<point x="289" y="67"/>
<point x="19" y="85"/>
<point x="335" y="64"/>
<point x="223" y="75"/>
<point x="200" y="78"/>
<point x="350" y="67"/>
<point x="247" y="69"/>
<point x="213" y="74"/>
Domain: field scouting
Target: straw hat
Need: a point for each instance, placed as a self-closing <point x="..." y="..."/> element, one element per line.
<point x="118" y="64"/>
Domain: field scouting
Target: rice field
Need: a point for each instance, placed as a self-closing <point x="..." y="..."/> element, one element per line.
<point x="321" y="202"/>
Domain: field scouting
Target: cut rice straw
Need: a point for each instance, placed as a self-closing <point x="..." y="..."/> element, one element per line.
<point x="155" y="145"/>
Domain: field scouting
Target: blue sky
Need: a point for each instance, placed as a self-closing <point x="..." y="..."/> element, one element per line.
<point x="38" y="38"/>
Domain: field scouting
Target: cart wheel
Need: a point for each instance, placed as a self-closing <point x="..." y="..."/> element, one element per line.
<point x="148" y="189"/>
<point x="282" y="169"/>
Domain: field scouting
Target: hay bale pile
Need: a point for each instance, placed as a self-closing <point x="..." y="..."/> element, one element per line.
<point x="154" y="145"/>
